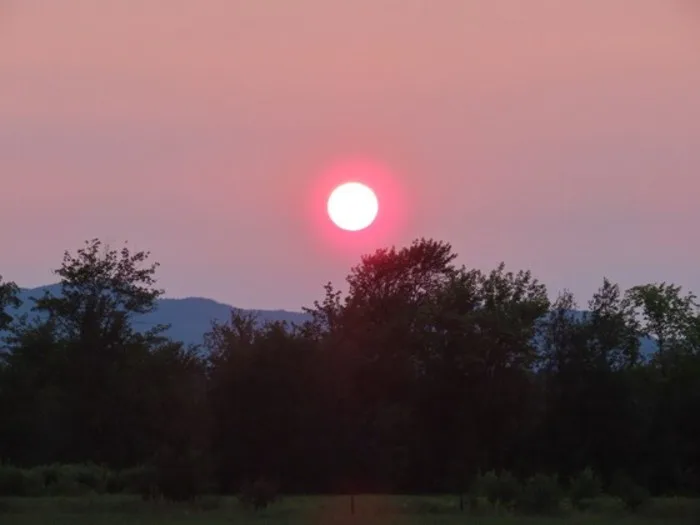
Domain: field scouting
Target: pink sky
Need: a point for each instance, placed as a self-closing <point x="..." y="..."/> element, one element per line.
<point x="563" y="137"/>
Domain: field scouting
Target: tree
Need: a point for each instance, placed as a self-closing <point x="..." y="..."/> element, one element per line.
<point x="425" y="346"/>
<point x="8" y="298"/>
<point x="479" y="350"/>
<point x="382" y="316"/>
<point x="410" y="274"/>
<point x="34" y="423"/>
<point x="668" y="317"/>
<point x="382" y="331"/>
<point x="86" y="333"/>
<point x="101" y="291"/>
<point x="264" y="397"/>
<point x="585" y="356"/>
<point x="421" y="376"/>
<point x="671" y="319"/>
<point x="615" y="329"/>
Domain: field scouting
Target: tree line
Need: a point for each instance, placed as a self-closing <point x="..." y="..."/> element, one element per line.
<point x="421" y="377"/>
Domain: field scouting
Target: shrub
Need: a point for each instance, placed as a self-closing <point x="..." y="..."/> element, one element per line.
<point x="500" y="489"/>
<point x="65" y="486"/>
<point x="87" y="475"/>
<point x="47" y="474"/>
<point x="584" y="488"/>
<point x="15" y="481"/>
<point x="478" y="504"/>
<point x="630" y="492"/>
<point x="481" y="487"/>
<point x="673" y="508"/>
<point x="140" y="480"/>
<point x="258" y="494"/>
<point x="541" y="495"/>
<point x="208" y="503"/>
<point x="70" y="479"/>
<point x="114" y="483"/>
<point x="180" y="476"/>
<point x="12" y="481"/>
<point x="606" y="505"/>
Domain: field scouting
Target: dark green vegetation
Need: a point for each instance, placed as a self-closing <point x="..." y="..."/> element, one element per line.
<point x="369" y="509"/>
<point x="424" y="378"/>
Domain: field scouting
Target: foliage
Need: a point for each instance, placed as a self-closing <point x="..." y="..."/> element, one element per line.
<point x="8" y="298"/>
<point x="141" y="480"/>
<point x="16" y="482"/>
<point x="180" y="474"/>
<point x="629" y="491"/>
<point x="584" y="487"/>
<point x="297" y="510"/>
<point x="422" y="375"/>
<point x="258" y="494"/>
<point x="54" y="480"/>
<point x="499" y="489"/>
<point x="541" y="494"/>
<point x="73" y="479"/>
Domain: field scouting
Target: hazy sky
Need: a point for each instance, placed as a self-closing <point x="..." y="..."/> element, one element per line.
<point x="561" y="136"/>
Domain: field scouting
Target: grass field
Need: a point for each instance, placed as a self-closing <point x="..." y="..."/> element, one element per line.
<point x="113" y="510"/>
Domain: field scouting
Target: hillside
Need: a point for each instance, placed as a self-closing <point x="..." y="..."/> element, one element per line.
<point x="190" y="318"/>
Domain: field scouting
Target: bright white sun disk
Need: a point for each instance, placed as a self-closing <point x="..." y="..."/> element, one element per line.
<point x="353" y="206"/>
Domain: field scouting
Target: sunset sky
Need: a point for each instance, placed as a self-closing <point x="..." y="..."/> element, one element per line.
<point x="561" y="136"/>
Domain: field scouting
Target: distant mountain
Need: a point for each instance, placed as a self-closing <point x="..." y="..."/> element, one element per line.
<point x="190" y="318"/>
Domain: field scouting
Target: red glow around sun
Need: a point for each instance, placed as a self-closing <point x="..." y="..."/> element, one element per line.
<point x="388" y="190"/>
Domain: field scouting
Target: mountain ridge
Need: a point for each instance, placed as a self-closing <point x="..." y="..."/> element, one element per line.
<point x="189" y="317"/>
<point x="192" y="317"/>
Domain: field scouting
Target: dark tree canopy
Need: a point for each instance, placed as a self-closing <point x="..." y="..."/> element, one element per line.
<point x="8" y="298"/>
<point x="420" y="377"/>
<point x="101" y="290"/>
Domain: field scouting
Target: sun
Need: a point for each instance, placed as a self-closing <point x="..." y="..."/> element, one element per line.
<point x="353" y="206"/>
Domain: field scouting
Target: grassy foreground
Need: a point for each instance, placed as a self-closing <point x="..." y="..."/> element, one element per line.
<point x="113" y="510"/>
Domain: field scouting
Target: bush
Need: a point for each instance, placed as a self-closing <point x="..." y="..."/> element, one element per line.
<point x="180" y="475"/>
<point x="499" y="490"/>
<point x="631" y="493"/>
<point x="482" y="487"/>
<point x="584" y="488"/>
<point x="114" y="483"/>
<point x="606" y="505"/>
<point x="478" y="504"/>
<point x="70" y="479"/>
<point x="87" y="475"/>
<point x="673" y="508"/>
<point x="170" y="476"/>
<point x="258" y="494"/>
<point x="15" y="481"/>
<point x="47" y="474"/>
<point x="208" y="503"/>
<point x="140" y="480"/>
<point x="12" y="481"/>
<point x="541" y="495"/>
<point x="67" y="487"/>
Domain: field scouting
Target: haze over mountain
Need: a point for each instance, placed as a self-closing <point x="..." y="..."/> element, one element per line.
<point x="189" y="318"/>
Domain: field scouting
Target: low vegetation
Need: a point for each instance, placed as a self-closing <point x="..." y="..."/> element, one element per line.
<point x="211" y="510"/>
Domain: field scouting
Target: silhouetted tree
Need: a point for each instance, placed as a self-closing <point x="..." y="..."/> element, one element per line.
<point x="421" y="376"/>
<point x="8" y="298"/>
<point x="80" y="377"/>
